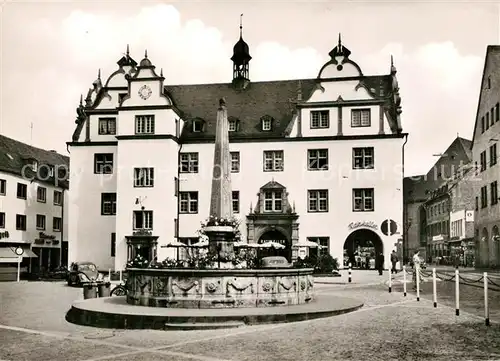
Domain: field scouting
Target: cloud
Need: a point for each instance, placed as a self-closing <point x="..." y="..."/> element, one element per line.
<point x="437" y="81"/>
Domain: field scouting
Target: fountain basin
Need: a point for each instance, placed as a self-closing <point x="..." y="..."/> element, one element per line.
<point x="219" y="288"/>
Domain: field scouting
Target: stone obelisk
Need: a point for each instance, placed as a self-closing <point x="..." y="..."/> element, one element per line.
<point x="221" y="238"/>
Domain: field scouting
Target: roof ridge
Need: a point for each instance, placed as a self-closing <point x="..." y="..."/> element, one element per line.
<point x="33" y="147"/>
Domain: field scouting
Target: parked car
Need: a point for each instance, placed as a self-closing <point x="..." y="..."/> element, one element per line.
<point x="80" y="272"/>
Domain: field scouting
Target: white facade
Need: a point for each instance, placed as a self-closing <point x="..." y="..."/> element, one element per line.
<point x="91" y="232"/>
<point x="34" y="205"/>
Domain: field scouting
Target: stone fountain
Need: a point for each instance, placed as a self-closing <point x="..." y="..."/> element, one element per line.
<point x="224" y="286"/>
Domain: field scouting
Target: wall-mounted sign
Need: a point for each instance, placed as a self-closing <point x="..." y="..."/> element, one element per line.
<point x="280" y="241"/>
<point x="46" y="236"/>
<point x="469" y="216"/>
<point x="362" y="224"/>
<point x="389" y="227"/>
<point x="4" y="235"/>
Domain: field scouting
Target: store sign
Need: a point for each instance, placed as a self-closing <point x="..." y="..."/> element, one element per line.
<point x="46" y="236"/>
<point x="280" y="241"/>
<point x="4" y="235"/>
<point x="362" y="224"/>
<point x="469" y="216"/>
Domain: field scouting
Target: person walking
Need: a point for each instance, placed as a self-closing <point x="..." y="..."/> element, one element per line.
<point x="380" y="264"/>
<point x="394" y="261"/>
<point x="416" y="269"/>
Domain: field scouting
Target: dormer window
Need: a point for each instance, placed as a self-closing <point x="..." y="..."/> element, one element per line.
<point x="34" y="166"/>
<point x="266" y="123"/>
<point x="233" y="124"/>
<point x="198" y="126"/>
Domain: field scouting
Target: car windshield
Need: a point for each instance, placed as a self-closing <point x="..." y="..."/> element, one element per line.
<point x="87" y="267"/>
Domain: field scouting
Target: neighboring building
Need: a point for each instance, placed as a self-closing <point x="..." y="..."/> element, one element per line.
<point x="317" y="159"/>
<point x="427" y="202"/>
<point x="33" y="189"/>
<point x="485" y="155"/>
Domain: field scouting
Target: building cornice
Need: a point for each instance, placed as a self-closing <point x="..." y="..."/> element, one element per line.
<point x="144" y="107"/>
<point x="342" y="103"/>
<point x="147" y="137"/>
<point x="93" y="143"/>
<point x="101" y="111"/>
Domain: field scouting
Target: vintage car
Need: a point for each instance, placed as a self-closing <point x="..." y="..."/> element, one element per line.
<point x="81" y="272"/>
<point x="275" y="262"/>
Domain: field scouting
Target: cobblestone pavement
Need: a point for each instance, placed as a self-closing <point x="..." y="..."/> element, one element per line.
<point x="389" y="327"/>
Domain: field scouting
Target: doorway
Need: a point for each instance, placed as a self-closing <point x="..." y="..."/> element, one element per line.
<point x="361" y="249"/>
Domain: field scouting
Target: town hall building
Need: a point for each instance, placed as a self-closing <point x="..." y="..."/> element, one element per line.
<point x="312" y="159"/>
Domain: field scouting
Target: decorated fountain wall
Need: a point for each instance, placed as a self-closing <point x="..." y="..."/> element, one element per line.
<point x="223" y="286"/>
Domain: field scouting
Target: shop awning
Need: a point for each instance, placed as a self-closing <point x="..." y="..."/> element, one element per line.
<point x="9" y="252"/>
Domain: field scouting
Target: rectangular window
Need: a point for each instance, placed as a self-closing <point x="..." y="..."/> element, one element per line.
<point x="483" y="126"/>
<point x="2" y="219"/>
<point x="320" y="119"/>
<point x="107" y="126"/>
<point x="3" y="187"/>
<point x="362" y="158"/>
<point x="266" y="124"/>
<point x="40" y="222"/>
<point x="492" y="116"/>
<point x="484" y="197"/>
<point x="113" y="244"/>
<point x="189" y="163"/>
<point x="103" y="163"/>
<point x="188" y="202"/>
<point x="363" y="199"/>
<point x="108" y="204"/>
<point x="324" y="243"/>
<point x="20" y="222"/>
<point x="487" y="121"/>
<point x="273" y="161"/>
<point x="235" y="162"/>
<point x="497" y="112"/>
<point x="41" y="194"/>
<point x="272" y="201"/>
<point x="22" y="190"/>
<point x="483" y="161"/>
<point x="144" y="124"/>
<point x="494" y="192"/>
<point x="493" y="155"/>
<point x="58" y="198"/>
<point x="317" y="200"/>
<point x="143" y="177"/>
<point x="197" y="126"/>
<point x="232" y="125"/>
<point x="317" y="159"/>
<point x="360" y="118"/>
<point x="56" y="224"/>
<point x="236" y="201"/>
<point x="143" y="220"/>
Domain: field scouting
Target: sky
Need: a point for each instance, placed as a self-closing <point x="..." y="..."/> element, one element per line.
<point x="50" y="53"/>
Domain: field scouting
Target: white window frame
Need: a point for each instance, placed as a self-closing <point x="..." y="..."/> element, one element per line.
<point x="144" y="177"/>
<point x="365" y="155"/>
<point x="320" y="119"/>
<point x="54" y="221"/>
<point x="191" y="161"/>
<point x="317" y="200"/>
<point x="144" y="124"/>
<point x="108" y="204"/>
<point x="274" y="199"/>
<point x="147" y="220"/>
<point x="235" y="201"/>
<point x="361" y="118"/>
<point x="313" y="158"/>
<point x="107" y="126"/>
<point x="40" y="222"/>
<point x="58" y="198"/>
<point x="235" y="162"/>
<point x="104" y="163"/>
<point x="276" y="160"/>
<point x="266" y="124"/>
<point x="41" y="194"/>
<point x="361" y="196"/>
<point x="188" y="201"/>
<point x="232" y="125"/>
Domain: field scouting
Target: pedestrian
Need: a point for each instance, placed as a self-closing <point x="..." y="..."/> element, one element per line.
<point x="380" y="264"/>
<point x="394" y="260"/>
<point x="416" y="269"/>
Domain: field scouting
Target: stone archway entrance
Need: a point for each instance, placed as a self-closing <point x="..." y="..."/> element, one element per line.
<point x="484" y="245"/>
<point x="361" y="246"/>
<point x="278" y="237"/>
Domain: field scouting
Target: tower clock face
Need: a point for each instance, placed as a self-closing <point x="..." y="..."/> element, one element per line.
<point x="145" y="92"/>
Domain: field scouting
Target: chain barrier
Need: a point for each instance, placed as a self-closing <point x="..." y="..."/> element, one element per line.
<point x="443" y="276"/>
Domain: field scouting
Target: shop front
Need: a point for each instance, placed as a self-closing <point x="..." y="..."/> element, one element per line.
<point x="48" y="251"/>
<point x="463" y="250"/>
<point x="14" y="259"/>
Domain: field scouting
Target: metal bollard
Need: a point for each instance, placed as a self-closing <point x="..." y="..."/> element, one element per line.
<point x="120" y="276"/>
<point x="417" y="277"/>
<point x="390" y="282"/>
<point x="457" y="293"/>
<point x="404" y="281"/>
<point x="434" y="288"/>
<point x="109" y="274"/>
<point x="349" y="272"/>
<point x="486" y="307"/>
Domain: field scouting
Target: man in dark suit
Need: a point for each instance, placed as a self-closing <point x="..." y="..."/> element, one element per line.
<point x="380" y="263"/>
